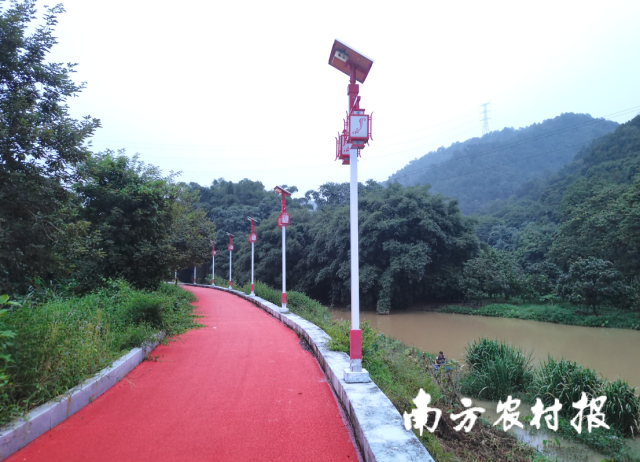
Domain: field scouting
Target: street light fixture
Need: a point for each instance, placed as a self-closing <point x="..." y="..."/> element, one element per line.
<point x="284" y="220"/>
<point x="230" y="255"/>
<point x="356" y="132"/>
<point x="253" y="239"/>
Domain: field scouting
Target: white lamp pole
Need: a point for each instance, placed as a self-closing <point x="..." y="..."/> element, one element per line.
<point x="356" y="363"/>
<point x="213" y="264"/>
<point x="284" y="220"/>
<point x="356" y="132"/>
<point x="253" y="239"/>
<point x="194" y="274"/>
<point x="230" y="256"/>
<point x="284" y="267"/>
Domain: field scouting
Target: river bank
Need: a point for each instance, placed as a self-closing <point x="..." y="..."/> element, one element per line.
<point x="554" y="313"/>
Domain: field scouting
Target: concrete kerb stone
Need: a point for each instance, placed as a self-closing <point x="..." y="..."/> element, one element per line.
<point x="22" y="431"/>
<point x="377" y="424"/>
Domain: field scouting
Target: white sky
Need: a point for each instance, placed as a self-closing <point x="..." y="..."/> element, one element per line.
<point x="243" y="89"/>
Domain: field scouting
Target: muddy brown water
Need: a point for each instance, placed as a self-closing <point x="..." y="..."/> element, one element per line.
<point x="611" y="352"/>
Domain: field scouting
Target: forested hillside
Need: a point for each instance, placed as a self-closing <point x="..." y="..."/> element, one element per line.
<point x="480" y="170"/>
<point x="583" y="221"/>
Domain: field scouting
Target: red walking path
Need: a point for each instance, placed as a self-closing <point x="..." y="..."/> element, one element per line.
<point x="241" y="389"/>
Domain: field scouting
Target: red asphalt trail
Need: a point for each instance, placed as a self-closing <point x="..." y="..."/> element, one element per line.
<point x="241" y="389"/>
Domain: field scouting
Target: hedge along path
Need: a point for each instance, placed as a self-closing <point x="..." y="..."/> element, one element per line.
<point x="240" y="389"/>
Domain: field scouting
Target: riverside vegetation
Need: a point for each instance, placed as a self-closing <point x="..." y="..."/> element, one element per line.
<point x="497" y="370"/>
<point x="555" y="313"/>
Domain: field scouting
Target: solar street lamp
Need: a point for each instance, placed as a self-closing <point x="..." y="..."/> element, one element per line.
<point x="230" y="255"/>
<point x="253" y="239"/>
<point x="284" y="220"/>
<point x="213" y="264"/>
<point x="356" y="132"/>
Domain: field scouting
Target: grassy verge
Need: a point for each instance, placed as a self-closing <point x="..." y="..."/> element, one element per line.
<point x="63" y="341"/>
<point x="400" y="371"/>
<point x="559" y="314"/>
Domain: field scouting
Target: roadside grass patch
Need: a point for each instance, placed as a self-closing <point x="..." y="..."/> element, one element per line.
<point x="61" y="342"/>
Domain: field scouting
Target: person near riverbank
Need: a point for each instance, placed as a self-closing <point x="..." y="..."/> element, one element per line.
<point x="440" y="360"/>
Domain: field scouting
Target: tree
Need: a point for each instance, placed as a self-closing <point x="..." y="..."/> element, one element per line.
<point x="592" y="282"/>
<point x="492" y="272"/>
<point x="39" y="147"/>
<point x="147" y="224"/>
<point x="412" y="246"/>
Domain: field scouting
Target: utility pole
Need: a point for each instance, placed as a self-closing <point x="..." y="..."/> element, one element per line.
<point x="485" y="117"/>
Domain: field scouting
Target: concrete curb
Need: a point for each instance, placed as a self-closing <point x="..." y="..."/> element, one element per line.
<point x="377" y="424"/>
<point x="43" y="418"/>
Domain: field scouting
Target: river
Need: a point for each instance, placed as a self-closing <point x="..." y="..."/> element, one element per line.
<point x="611" y="352"/>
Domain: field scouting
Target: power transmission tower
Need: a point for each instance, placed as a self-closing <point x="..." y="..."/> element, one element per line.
<point x="485" y="117"/>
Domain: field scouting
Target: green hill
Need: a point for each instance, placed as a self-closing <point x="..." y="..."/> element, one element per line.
<point x="590" y="208"/>
<point x="480" y="170"/>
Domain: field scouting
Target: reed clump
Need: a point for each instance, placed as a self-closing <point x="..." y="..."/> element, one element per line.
<point x="567" y="380"/>
<point x="496" y="369"/>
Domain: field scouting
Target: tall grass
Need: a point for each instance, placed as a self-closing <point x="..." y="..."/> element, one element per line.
<point x="61" y="342"/>
<point x="566" y="380"/>
<point x="497" y="369"/>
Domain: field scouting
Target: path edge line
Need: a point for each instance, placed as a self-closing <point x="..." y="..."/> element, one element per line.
<point x="24" y="430"/>
<point x="378" y="426"/>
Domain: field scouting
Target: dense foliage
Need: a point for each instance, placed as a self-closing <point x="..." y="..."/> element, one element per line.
<point x="67" y="215"/>
<point x="40" y="144"/>
<point x="480" y="170"/>
<point x="65" y="340"/>
<point x="412" y="244"/>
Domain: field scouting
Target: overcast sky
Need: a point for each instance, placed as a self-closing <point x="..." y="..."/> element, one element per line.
<point x="243" y="89"/>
